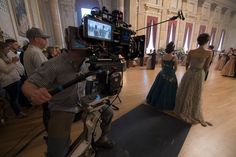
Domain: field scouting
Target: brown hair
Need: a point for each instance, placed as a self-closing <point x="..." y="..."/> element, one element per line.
<point x="3" y="45"/>
<point x="203" y="38"/>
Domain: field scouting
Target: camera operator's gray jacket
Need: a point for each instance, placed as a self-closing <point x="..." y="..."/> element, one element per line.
<point x="59" y="71"/>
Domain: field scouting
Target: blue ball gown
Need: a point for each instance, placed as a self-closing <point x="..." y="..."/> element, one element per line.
<point x="163" y="91"/>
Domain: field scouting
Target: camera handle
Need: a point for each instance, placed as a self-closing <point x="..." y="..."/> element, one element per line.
<point x="180" y="15"/>
<point x="79" y="78"/>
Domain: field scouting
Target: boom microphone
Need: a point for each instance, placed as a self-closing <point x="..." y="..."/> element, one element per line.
<point x="180" y="15"/>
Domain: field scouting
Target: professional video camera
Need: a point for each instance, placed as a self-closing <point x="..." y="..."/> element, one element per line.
<point x="104" y="31"/>
<point x="105" y="37"/>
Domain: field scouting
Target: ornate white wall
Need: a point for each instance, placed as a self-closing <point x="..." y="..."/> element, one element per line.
<point x="212" y="13"/>
<point x="6" y="23"/>
<point x="231" y="36"/>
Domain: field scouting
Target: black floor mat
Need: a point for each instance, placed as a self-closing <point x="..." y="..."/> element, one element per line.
<point x="146" y="132"/>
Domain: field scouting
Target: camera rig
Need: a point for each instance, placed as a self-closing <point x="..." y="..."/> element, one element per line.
<point x="106" y="30"/>
<point x="107" y="39"/>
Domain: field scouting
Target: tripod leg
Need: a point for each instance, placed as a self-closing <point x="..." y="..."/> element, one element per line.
<point x="114" y="106"/>
<point x="119" y="98"/>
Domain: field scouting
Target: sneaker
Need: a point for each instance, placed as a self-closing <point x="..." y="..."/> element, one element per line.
<point x="109" y="144"/>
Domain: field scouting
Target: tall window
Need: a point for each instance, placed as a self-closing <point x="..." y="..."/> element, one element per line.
<point x="85" y="11"/>
<point x="187" y="36"/>
<point x="151" y="33"/>
<point x="171" y="31"/>
<point x="150" y="46"/>
<point x="221" y="40"/>
<point x="202" y="29"/>
<point x="186" y="43"/>
<point x="213" y="33"/>
<point x="82" y="6"/>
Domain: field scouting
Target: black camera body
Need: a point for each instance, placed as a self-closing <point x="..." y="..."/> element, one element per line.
<point x="105" y="37"/>
<point x="106" y="30"/>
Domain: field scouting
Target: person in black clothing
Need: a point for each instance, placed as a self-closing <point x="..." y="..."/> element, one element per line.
<point x="211" y="47"/>
<point x="153" y="60"/>
<point x="22" y="52"/>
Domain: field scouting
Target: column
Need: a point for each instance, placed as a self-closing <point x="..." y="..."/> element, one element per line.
<point x="120" y="4"/>
<point x="67" y="9"/>
<point x="57" y="28"/>
<point x="133" y="14"/>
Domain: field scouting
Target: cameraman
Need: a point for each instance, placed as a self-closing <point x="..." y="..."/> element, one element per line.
<point x="63" y="108"/>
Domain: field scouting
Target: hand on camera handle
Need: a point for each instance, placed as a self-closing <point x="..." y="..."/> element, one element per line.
<point x="15" y="59"/>
<point x="40" y="96"/>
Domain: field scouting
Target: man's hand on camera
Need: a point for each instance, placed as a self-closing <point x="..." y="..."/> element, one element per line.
<point x="40" y="96"/>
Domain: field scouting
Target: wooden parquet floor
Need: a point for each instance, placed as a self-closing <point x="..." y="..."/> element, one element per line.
<point x="219" y="108"/>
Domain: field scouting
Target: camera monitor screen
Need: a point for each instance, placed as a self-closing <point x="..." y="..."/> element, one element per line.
<point x="98" y="30"/>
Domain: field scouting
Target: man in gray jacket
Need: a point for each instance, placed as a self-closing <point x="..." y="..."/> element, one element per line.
<point x="33" y="56"/>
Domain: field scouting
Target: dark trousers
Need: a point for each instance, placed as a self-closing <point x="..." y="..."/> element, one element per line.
<point x="89" y="87"/>
<point x="23" y="101"/>
<point x="13" y="92"/>
<point x="59" y="129"/>
<point x="153" y="62"/>
<point x="206" y="75"/>
<point x="46" y="116"/>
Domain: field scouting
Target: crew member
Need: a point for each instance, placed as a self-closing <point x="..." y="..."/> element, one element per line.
<point x="63" y="108"/>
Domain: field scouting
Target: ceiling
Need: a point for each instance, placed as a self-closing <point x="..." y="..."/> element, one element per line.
<point x="231" y="3"/>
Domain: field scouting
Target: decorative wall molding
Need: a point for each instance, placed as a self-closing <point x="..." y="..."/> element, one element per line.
<point x="232" y="14"/>
<point x="213" y="6"/>
<point x="6" y="25"/>
<point x="67" y="9"/>
<point x="190" y="15"/>
<point x="223" y="10"/>
<point x="172" y="11"/>
<point x="205" y="10"/>
<point x="175" y="4"/>
<point x="201" y="2"/>
<point x="192" y="6"/>
<point x="153" y="7"/>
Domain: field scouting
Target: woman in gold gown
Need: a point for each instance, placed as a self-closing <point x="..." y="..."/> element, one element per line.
<point x="188" y="99"/>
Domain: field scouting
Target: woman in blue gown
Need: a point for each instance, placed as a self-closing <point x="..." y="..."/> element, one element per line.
<point x="163" y="91"/>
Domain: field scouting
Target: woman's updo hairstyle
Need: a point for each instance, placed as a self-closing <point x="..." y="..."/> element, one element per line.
<point x="170" y="47"/>
<point x="203" y="39"/>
